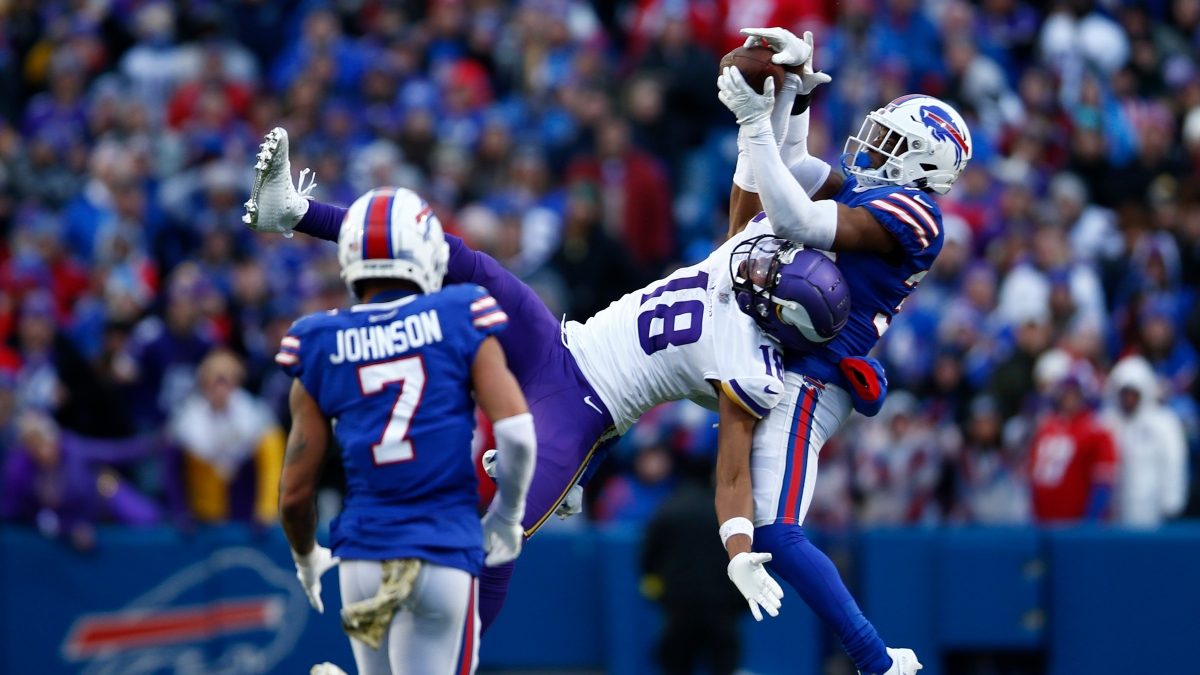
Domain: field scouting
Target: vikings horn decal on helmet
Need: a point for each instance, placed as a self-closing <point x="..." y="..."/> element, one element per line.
<point x="914" y="140"/>
<point x="796" y="295"/>
<point x="391" y="233"/>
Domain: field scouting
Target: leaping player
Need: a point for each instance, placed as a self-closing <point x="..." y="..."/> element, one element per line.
<point x="685" y="336"/>
<point x="392" y="380"/>
<point x="878" y="220"/>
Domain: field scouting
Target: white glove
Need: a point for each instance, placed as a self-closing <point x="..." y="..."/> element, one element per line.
<point x="791" y="51"/>
<point x="748" y="574"/>
<point x="572" y="504"/>
<point x="809" y="78"/>
<point x="502" y="538"/>
<point x="747" y="105"/>
<point x="309" y="569"/>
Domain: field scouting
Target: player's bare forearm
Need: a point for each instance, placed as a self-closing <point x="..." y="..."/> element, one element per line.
<point x="735" y="496"/>
<point x="306" y="446"/>
<point x="743" y="205"/>
<point x="831" y="186"/>
<point x="496" y="390"/>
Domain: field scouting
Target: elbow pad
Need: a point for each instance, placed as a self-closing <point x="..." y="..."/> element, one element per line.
<point x="516" y="455"/>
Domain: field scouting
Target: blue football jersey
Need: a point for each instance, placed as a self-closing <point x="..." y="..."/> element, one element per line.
<point x="878" y="284"/>
<point x="394" y="377"/>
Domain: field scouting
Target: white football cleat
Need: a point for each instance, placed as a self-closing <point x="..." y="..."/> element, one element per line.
<point x="489" y="464"/>
<point x="326" y="668"/>
<point x="275" y="205"/>
<point x="904" y="662"/>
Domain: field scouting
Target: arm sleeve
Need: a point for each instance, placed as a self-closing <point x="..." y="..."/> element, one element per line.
<point x="743" y="171"/>
<point x="782" y="111"/>
<point x="321" y="220"/>
<point x="810" y="172"/>
<point x="516" y="456"/>
<point x="792" y="212"/>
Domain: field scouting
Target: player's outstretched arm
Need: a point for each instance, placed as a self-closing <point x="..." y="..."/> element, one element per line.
<point x="822" y="224"/>
<point x="735" y="509"/>
<point x="500" y="397"/>
<point x="789" y="122"/>
<point x="307" y="443"/>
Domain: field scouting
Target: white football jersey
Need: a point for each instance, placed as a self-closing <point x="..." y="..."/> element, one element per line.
<point x="675" y="339"/>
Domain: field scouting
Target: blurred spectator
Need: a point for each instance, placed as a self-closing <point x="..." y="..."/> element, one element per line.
<point x="1092" y="230"/>
<point x="680" y="558"/>
<point x="592" y="265"/>
<point x="1052" y="268"/>
<point x="900" y="466"/>
<point x="1072" y="457"/>
<point x="232" y="446"/>
<point x="48" y="482"/>
<point x="632" y="499"/>
<point x="1012" y="381"/>
<point x="1152" y="476"/>
<point x="989" y="475"/>
<point x="637" y="205"/>
<point x="167" y="351"/>
<point x="8" y="411"/>
<point x="1172" y="357"/>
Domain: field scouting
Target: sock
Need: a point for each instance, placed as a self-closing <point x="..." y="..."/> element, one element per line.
<point x="493" y="587"/>
<point x="814" y="577"/>
<point x="322" y="221"/>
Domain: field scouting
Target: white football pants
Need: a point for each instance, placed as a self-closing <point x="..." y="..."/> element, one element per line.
<point x="436" y="630"/>
<point x="783" y="460"/>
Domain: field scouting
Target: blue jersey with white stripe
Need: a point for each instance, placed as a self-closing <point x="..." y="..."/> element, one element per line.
<point x="878" y="284"/>
<point x="394" y="377"/>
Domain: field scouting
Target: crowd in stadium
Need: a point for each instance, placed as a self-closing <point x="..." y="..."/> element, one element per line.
<point x="582" y="145"/>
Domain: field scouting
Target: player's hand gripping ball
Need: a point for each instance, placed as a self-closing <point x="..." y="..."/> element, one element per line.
<point x="755" y="65"/>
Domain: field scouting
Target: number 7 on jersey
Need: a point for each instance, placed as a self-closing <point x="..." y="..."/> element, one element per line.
<point x="394" y="445"/>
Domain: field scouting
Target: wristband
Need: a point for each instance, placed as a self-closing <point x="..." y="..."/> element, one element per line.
<point x="737" y="525"/>
<point x="801" y="103"/>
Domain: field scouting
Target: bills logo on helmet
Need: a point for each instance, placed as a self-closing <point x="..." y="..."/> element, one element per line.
<point x="942" y="128"/>
<point x="423" y="218"/>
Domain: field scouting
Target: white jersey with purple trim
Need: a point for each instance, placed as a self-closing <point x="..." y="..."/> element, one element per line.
<point x="675" y="337"/>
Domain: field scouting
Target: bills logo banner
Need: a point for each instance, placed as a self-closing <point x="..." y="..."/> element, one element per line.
<point x="172" y="628"/>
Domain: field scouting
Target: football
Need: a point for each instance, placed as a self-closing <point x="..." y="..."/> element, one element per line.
<point x="755" y="64"/>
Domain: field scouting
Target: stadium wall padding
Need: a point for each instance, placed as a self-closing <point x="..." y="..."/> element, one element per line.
<point x="225" y="600"/>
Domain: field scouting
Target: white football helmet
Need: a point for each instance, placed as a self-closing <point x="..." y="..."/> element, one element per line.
<point x="924" y="141"/>
<point x="391" y="233"/>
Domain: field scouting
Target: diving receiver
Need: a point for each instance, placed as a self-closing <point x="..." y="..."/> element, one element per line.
<point x="392" y="379"/>
<point x="878" y="220"/>
<point x="684" y="336"/>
